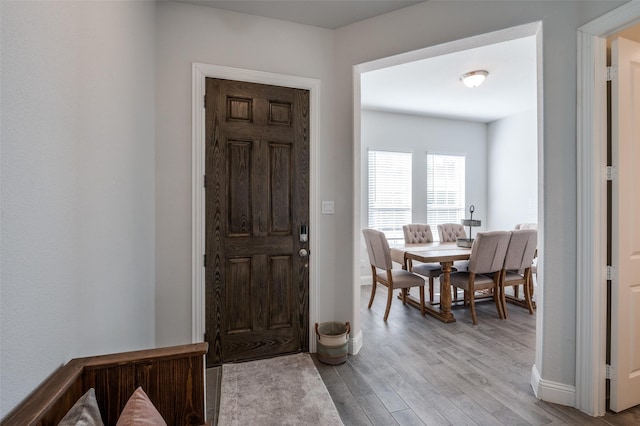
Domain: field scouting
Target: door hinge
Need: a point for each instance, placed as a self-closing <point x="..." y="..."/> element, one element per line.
<point x="610" y="372"/>
<point x="611" y="173"/>
<point x="204" y="260"/>
<point x="204" y="181"/>
<point x="205" y="101"/>
<point x="612" y="73"/>
<point x="611" y="272"/>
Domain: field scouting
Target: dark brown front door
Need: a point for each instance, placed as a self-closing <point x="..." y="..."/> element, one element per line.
<point x="257" y="201"/>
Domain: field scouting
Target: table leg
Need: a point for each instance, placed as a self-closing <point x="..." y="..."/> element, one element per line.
<point x="445" y="292"/>
<point x="443" y="311"/>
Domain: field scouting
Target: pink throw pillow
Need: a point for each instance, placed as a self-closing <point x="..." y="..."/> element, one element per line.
<point x="139" y="410"/>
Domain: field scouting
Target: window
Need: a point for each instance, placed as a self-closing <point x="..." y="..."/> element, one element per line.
<point x="389" y="192"/>
<point x="445" y="189"/>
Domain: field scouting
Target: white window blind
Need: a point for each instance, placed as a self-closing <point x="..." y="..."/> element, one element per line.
<point x="445" y="189"/>
<point x="389" y="192"/>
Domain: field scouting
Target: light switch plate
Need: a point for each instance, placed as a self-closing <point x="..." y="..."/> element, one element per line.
<point x="327" y="207"/>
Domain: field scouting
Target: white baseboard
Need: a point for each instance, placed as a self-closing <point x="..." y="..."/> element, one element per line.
<point x="535" y="380"/>
<point x="355" y="343"/>
<point x="554" y="392"/>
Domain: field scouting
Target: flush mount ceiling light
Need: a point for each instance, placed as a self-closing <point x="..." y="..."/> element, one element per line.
<point x="474" y="78"/>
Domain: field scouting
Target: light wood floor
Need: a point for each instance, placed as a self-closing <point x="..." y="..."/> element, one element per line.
<point x="415" y="370"/>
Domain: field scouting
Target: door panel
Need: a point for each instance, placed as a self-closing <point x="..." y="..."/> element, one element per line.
<point x="239" y="185"/>
<point x="625" y="287"/>
<point x="257" y="164"/>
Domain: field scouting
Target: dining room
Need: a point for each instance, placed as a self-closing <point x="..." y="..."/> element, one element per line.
<point x="431" y="147"/>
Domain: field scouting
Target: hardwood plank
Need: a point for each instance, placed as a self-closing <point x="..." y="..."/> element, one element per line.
<point x="350" y="410"/>
<point x="356" y="384"/>
<point x="568" y="415"/>
<point x="327" y="372"/>
<point x="387" y="396"/>
<point x="450" y="411"/>
<point x="375" y="410"/>
<point x="508" y="417"/>
<point x="480" y="415"/>
<point x="627" y="417"/>
<point x="407" y="418"/>
<point x="423" y="409"/>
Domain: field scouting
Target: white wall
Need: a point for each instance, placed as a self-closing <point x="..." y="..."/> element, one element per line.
<point x="187" y="34"/>
<point x="513" y="171"/>
<point x="419" y="135"/>
<point x="78" y="108"/>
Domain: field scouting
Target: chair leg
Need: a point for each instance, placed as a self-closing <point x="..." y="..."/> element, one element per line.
<point x="473" y="307"/>
<point x="498" y="299"/>
<point x="503" y="301"/>
<point x="430" y="289"/>
<point x="527" y="294"/>
<point x="373" y="292"/>
<point x="422" y="300"/>
<point x="531" y="284"/>
<point x="404" y="293"/>
<point x="389" y="298"/>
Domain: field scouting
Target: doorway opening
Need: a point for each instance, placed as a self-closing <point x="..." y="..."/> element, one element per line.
<point x="362" y="136"/>
<point x="623" y="51"/>
<point x="591" y="321"/>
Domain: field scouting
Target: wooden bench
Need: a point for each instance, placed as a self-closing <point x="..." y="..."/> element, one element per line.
<point x="173" y="378"/>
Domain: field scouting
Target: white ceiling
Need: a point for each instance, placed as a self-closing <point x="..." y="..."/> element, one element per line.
<point x="432" y="86"/>
<point x="427" y="87"/>
<point x="330" y="14"/>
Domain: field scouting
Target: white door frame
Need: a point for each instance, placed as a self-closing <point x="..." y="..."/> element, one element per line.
<point x="200" y="72"/>
<point x="591" y="310"/>
<point x="525" y="30"/>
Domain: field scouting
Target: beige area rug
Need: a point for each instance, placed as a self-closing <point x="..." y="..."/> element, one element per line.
<point x="286" y="390"/>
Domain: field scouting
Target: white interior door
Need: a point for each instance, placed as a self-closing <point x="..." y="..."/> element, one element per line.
<point x="625" y="303"/>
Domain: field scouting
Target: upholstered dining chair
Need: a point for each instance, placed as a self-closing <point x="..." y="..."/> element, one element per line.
<point x="382" y="272"/>
<point x="526" y="226"/>
<point x="420" y="233"/>
<point x="534" y="265"/>
<point x="450" y="232"/>
<point x="517" y="265"/>
<point x="417" y="233"/>
<point x="485" y="269"/>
